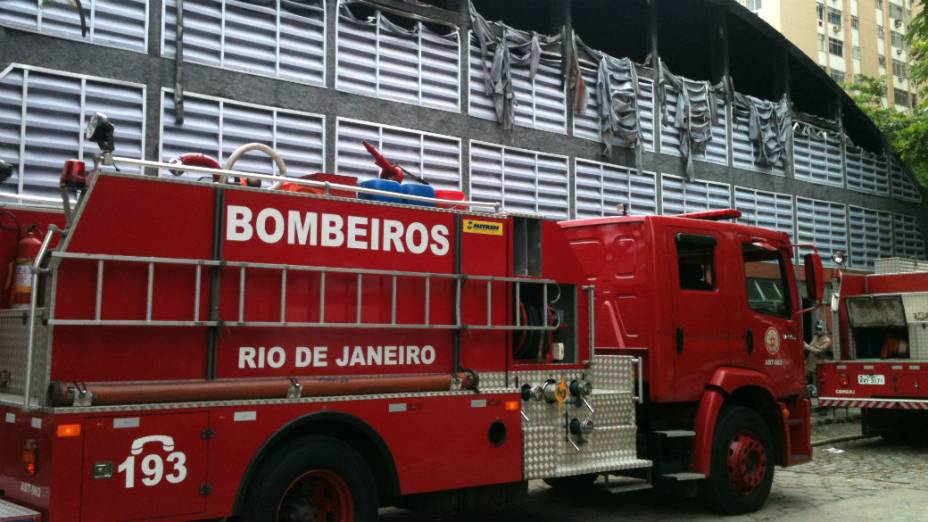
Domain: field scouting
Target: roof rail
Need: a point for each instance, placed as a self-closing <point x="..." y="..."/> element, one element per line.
<point x="713" y="215"/>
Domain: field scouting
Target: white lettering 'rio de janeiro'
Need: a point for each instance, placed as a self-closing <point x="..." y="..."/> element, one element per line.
<point x="272" y="226"/>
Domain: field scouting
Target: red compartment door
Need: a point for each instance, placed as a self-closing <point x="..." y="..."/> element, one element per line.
<point x="144" y="466"/>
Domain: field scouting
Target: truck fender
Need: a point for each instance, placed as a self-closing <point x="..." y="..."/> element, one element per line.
<point x="724" y="383"/>
<point x="332" y="423"/>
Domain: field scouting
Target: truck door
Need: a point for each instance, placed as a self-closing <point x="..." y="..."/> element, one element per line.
<point x="701" y="311"/>
<point x="768" y="338"/>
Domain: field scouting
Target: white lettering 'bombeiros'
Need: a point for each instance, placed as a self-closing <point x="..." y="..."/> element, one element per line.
<point x="272" y="226"/>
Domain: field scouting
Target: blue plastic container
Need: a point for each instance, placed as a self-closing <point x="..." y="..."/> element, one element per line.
<point x="417" y="189"/>
<point x="386" y="185"/>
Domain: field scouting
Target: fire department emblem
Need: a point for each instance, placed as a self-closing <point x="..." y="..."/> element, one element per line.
<point x="772" y="341"/>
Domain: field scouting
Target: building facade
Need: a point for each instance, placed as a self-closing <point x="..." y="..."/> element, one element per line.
<point x="563" y="110"/>
<point x="848" y="38"/>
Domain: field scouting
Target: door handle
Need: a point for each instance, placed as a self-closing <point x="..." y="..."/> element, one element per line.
<point x="679" y="341"/>
<point x="750" y="340"/>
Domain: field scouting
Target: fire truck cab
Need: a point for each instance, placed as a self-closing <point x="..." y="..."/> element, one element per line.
<point x="202" y="348"/>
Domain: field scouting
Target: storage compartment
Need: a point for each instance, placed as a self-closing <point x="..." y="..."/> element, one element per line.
<point x="879" y="329"/>
<point x="881" y="343"/>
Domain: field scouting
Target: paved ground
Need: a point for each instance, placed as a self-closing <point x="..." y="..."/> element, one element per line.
<point x="862" y="480"/>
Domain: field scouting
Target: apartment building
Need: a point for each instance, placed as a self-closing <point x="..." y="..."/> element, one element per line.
<point x="849" y="38"/>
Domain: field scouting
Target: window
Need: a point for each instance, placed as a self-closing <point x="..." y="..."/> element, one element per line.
<point x="879" y="32"/>
<point x="898" y="40"/>
<point x="695" y="259"/>
<point x="836" y="47"/>
<point x="855" y="22"/>
<point x="834" y="16"/>
<point x="766" y="281"/>
<point x="856" y="51"/>
<point x="821" y="43"/>
<point x="820" y="12"/>
<point x="122" y="24"/>
<point x="280" y="39"/>
<point x="882" y="61"/>
<point x="878" y="4"/>
<point x="901" y="97"/>
<point x="896" y="12"/>
<point x="837" y="76"/>
<point x="755" y="5"/>
<point x="899" y="69"/>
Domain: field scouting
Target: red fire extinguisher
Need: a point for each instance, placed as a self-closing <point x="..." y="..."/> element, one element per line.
<point x="26" y="252"/>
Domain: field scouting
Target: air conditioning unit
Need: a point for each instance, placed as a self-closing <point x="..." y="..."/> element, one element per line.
<point x="898" y="52"/>
<point x="821" y="23"/>
<point x="836" y="29"/>
<point x="897" y="23"/>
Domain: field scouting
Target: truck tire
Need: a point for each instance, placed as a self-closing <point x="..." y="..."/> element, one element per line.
<point x="742" y="463"/>
<point x="313" y="478"/>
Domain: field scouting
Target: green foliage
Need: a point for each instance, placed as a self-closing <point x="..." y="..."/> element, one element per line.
<point x="906" y="132"/>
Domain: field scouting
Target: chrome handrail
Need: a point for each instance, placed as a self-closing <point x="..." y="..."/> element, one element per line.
<point x="33" y="306"/>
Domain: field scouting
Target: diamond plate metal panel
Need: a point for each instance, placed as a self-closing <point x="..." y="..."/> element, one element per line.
<point x="13" y="335"/>
<point x="614" y="373"/>
<point x="900" y="265"/>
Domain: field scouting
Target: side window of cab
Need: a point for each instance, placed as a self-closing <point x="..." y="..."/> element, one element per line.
<point x="696" y="262"/>
<point x="766" y="281"/>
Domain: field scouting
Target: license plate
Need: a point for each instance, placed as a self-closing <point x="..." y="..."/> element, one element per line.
<point x="871" y="380"/>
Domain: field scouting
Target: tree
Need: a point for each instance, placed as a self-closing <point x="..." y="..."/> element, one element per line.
<point x="907" y="133"/>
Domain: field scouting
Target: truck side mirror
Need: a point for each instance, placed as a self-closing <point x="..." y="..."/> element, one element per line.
<point x="815" y="277"/>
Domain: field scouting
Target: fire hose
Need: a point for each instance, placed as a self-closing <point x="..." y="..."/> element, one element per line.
<point x="110" y="394"/>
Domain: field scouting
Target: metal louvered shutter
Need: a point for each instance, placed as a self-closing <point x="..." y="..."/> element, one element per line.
<point x="823" y="224"/>
<point x="680" y="197"/>
<point x="601" y="187"/>
<point x="766" y="209"/>
<point x="817" y="155"/>
<point x="907" y="237"/>
<point x="420" y="68"/>
<point x="871" y="236"/>
<point x="743" y="155"/>
<point x="433" y="157"/>
<point x="283" y="41"/>
<point x="42" y="116"/>
<point x="717" y="148"/>
<point x="541" y="104"/>
<point x="217" y="126"/>
<point x="115" y="23"/>
<point x="866" y="172"/>
<point x="587" y="126"/>
<point x="523" y="181"/>
<point x="903" y="186"/>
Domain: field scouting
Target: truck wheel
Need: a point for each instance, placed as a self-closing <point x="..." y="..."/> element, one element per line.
<point x="314" y="478"/>
<point x="741" y="470"/>
<point x="572" y="485"/>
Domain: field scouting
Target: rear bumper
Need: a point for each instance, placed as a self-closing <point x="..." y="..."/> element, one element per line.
<point x="880" y="404"/>
<point x="10" y="512"/>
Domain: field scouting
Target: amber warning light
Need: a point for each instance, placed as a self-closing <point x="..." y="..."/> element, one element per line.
<point x="69" y="430"/>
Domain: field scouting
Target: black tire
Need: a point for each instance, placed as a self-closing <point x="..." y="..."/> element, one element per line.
<point x="276" y="496"/>
<point x="725" y="491"/>
<point x="572" y="485"/>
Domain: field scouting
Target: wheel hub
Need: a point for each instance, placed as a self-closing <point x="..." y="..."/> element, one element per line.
<point x="317" y="496"/>
<point x="747" y="462"/>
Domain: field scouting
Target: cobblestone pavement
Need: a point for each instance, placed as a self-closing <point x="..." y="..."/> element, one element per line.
<point x="868" y="479"/>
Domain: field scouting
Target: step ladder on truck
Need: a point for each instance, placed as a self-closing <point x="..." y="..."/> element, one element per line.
<point x="272" y="347"/>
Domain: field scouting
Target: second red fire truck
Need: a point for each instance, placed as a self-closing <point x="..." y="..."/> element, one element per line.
<point x="309" y="350"/>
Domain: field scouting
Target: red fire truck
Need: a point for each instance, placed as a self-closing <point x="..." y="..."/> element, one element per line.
<point x="881" y="349"/>
<point x="202" y="349"/>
